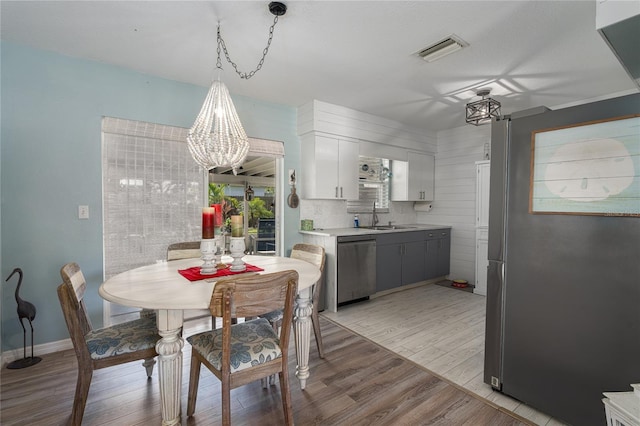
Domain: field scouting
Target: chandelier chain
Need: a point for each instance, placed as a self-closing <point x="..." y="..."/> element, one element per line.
<point x="250" y="74"/>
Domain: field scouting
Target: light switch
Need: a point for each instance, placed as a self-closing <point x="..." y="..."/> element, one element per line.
<point x="83" y="212"/>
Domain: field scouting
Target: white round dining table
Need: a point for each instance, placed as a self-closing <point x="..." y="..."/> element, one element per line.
<point x="162" y="288"/>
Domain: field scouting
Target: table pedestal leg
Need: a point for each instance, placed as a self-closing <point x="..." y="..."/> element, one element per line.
<point x="302" y="335"/>
<point x="169" y="350"/>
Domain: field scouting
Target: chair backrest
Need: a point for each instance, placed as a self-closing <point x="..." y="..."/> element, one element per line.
<point x="185" y="250"/>
<point x="315" y="255"/>
<point x="266" y="228"/>
<point x="73" y="279"/>
<point x="70" y="294"/>
<point x="311" y="253"/>
<point x="255" y="295"/>
<point x="74" y="319"/>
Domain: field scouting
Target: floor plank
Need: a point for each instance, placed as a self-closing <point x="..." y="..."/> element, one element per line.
<point x="439" y="328"/>
<point x="359" y="382"/>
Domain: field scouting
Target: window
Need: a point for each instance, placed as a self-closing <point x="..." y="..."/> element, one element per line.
<point x="373" y="186"/>
<point x="153" y="192"/>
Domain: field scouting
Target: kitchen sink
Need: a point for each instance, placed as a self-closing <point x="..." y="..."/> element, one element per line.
<point x="387" y="227"/>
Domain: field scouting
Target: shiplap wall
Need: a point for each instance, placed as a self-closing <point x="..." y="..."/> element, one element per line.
<point x="456" y="151"/>
<point x="455" y="193"/>
<point x="377" y="137"/>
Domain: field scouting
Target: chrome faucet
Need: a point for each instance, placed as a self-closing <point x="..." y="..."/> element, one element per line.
<point x="374" y="216"/>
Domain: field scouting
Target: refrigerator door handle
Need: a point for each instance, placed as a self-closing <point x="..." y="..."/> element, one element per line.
<point x="494" y="324"/>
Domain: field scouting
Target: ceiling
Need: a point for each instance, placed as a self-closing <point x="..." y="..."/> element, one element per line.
<point x="358" y="54"/>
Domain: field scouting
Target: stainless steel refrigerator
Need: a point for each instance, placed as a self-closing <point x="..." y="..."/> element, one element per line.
<point x="563" y="290"/>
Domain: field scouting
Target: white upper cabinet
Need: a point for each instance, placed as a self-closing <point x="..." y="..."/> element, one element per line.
<point x="413" y="180"/>
<point x="329" y="168"/>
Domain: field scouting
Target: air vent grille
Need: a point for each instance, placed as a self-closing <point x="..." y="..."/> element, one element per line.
<point x="442" y="48"/>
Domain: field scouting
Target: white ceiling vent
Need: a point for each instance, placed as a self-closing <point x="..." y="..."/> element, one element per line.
<point x="442" y="48"/>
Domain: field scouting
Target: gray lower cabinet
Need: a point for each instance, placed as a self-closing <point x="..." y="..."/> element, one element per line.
<point x="388" y="266"/>
<point x="437" y="256"/>
<point x="400" y="259"/>
<point x="409" y="257"/>
<point x="413" y="262"/>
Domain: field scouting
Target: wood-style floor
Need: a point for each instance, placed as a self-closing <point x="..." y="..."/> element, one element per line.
<point x="440" y="328"/>
<point x="358" y="383"/>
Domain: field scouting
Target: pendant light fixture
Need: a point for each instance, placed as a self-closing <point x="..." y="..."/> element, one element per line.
<point x="482" y="111"/>
<point x="217" y="137"/>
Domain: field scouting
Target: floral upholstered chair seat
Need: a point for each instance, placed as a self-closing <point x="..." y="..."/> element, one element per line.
<point x="273" y="316"/>
<point x="122" y="338"/>
<point x="252" y="343"/>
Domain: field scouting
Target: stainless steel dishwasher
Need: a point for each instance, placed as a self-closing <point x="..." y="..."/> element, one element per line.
<point x="356" y="267"/>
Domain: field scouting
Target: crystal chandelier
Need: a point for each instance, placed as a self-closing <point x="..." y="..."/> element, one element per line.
<point x="482" y="111"/>
<point x="217" y="137"/>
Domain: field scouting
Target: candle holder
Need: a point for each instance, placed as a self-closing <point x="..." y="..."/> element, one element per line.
<point x="237" y="247"/>
<point x="219" y="248"/>
<point x="208" y="250"/>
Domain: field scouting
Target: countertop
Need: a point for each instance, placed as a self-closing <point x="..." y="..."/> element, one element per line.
<point x="339" y="232"/>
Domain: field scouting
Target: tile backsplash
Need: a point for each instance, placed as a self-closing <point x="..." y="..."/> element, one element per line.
<point x="333" y="214"/>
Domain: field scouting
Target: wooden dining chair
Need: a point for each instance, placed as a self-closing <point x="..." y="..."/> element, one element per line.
<point x="189" y="250"/>
<point x="241" y="353"/>
<point x="315" y="255"/>
<point x="177" y="251"/>
<point x="104" y="347"/>
<point x="184" y="250"/>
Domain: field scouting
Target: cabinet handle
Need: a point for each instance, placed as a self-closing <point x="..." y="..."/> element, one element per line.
<point x="336" y="192"/>
<point x="444" y="233"/>
<point x="341" y="196"/>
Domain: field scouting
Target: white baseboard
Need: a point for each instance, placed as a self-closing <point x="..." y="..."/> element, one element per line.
<point x="38" y="350"/>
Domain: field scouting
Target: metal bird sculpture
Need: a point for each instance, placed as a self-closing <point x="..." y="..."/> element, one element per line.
<point x="27" y="311"/>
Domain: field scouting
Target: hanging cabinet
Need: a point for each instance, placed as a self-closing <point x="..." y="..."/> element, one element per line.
<point x="413" y="180"/>
<point x="329" y="167"/>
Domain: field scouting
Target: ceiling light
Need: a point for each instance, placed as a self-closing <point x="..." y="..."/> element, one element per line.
<point x="442" y="48"/>
<point x="217" y="138"/>
<point x="482" y="111"/>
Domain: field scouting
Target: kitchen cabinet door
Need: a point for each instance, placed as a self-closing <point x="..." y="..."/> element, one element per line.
<point x="388" y="266"/>
<point x="329" y="168"/>
<point x="413" y="262"/>
<point x="444" y="254"/>
<point x="482" y="193"/>
<point x="413" y="180"/>
<point x="348" y="153"/>
<point x="437" y="258"/>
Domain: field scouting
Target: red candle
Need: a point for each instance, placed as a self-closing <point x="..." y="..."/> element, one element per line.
<point x="218" y="214"/>
<point x="208" y="214"/>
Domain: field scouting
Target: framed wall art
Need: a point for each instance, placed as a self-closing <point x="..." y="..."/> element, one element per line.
<point x="589" y="168"/>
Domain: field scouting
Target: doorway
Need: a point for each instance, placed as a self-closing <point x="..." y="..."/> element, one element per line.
<point x="252" y="194"/>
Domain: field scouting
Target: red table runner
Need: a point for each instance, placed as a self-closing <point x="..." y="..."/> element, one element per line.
<point x="193" y="274"/>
